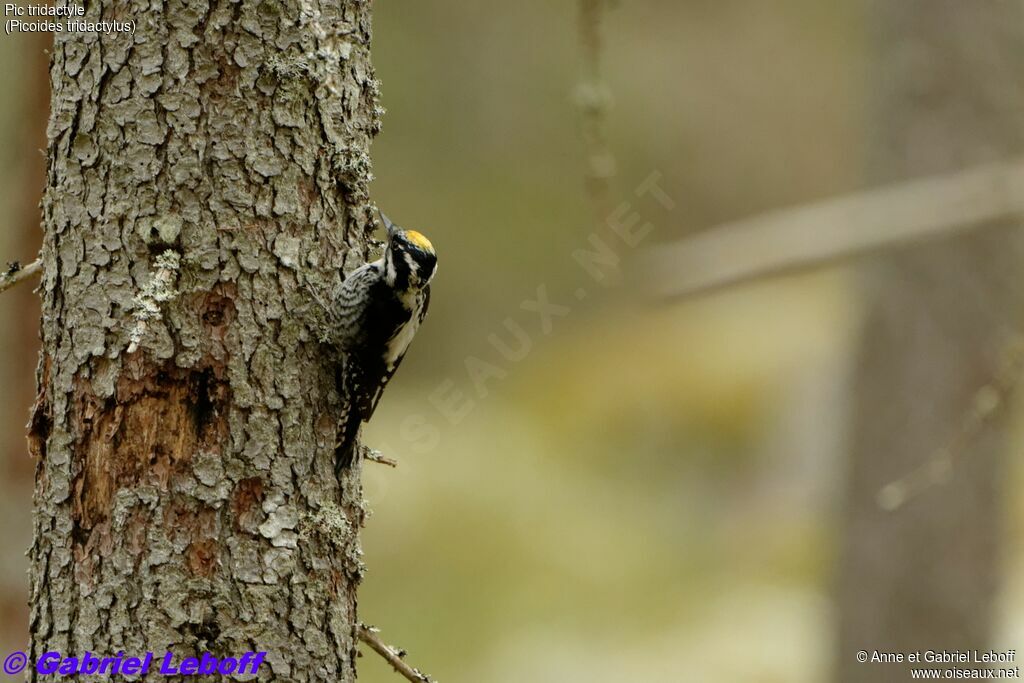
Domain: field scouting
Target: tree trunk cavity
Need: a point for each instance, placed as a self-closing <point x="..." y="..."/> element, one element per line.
<point x="200" y="173"/>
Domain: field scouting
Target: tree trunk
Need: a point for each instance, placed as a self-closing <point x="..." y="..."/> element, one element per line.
<point x="199" y="175"/>
<point x="923" y="577"/>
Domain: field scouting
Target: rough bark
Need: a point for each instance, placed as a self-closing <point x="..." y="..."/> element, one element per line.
<point x="200" y="173"/>
<point x="924" y="576"/>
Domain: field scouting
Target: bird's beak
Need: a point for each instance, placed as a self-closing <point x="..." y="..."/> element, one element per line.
<point x="391" y="227"/>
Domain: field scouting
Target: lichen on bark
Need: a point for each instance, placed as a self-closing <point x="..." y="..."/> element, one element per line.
<point x="185" y="497"/>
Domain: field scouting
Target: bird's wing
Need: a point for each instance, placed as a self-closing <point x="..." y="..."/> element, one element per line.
<point x="349" y="309"/>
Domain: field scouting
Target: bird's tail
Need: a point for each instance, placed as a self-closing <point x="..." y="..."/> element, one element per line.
<point x="346" y="448"/>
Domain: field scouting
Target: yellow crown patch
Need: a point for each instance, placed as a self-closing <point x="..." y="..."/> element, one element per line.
<point x="419" y="240"/>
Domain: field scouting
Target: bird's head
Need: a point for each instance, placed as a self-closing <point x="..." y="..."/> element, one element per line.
<point x="410" y="258"/>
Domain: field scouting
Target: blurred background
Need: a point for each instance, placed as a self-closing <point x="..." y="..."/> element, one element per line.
<point x="597" y="484"/>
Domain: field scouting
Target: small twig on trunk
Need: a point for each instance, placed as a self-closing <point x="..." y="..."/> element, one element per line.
<point x="15" y="273"/>
<point x="368" y="635"/>
<point x="990" y="401"/>
<point x="376" y="456"/>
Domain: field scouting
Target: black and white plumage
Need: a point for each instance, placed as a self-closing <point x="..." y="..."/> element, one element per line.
<point x="375" y="314"/>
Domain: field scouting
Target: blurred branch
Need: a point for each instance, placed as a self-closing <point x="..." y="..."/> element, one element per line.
<point x="817" y="234"/>
<point x="368" y="635"/>
<point x="989" y="402"/>
<point x="376" y="456"/>
<point x="593" y="97"/>
<point x="16" y="273"/>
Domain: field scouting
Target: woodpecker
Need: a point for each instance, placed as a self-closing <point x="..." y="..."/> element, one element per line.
<point x="375" y="314"/>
